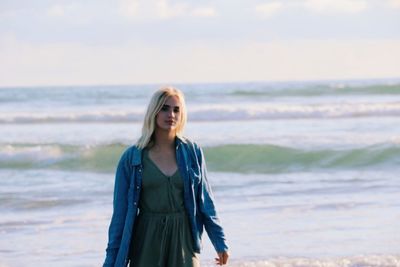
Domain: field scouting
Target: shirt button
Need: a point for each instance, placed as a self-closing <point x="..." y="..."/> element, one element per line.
<point x="137" y="187"/>
<point x="134" y="203"/>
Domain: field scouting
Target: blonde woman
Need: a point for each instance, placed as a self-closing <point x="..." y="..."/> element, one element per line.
<point x="162" y="200"/>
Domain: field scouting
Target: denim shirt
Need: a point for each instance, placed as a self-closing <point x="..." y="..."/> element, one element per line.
<point x="198" y="201"/>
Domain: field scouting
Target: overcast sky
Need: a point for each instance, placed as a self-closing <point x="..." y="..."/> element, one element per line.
<point x="50" y="42"/>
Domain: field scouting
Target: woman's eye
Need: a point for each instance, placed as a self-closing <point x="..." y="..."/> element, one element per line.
<point x="176" y="110"/>
<point x="164" y="108"/>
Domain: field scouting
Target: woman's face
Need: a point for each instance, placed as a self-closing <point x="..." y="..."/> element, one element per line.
<point x="169" y="116"/>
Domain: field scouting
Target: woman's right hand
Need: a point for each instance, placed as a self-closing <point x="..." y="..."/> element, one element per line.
<point x="222" y="258"/>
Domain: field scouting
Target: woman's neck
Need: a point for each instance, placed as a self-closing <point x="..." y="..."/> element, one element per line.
<point x="164" y="140"/>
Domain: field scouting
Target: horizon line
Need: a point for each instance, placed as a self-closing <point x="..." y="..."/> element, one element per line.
<point x="384" y="79"/>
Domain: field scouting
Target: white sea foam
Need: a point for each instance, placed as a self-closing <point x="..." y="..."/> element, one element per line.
<point x="31" y="153"/>
<point x="213" y="112"/>
<point x="355" y="261"/>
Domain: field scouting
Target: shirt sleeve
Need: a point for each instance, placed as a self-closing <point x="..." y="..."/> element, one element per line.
<point x="207" y="207"/>
<point x="120" y="204"/>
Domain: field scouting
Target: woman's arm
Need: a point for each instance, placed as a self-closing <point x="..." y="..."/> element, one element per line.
<point x="208" y="210"/>
<point x="119" y="210"/>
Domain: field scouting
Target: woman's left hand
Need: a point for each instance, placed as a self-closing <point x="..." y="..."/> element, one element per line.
<point x="222" y="258"/>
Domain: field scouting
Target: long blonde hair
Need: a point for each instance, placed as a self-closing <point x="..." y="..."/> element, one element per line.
<point x="156" y="103"/>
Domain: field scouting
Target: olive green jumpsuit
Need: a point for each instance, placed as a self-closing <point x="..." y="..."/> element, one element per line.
<point x="162" y="235"/>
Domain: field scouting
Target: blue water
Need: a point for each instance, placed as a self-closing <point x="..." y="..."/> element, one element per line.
<point x="304" y="173"/>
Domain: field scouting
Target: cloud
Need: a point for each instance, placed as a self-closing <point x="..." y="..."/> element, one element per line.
<point x="330" y="6"/>
<point x="128" y="8"/>
<point x="161" y="9"/>
<point x="204" y="12"/>
<point x="394" y="3"/>
<point x="166" y="11"/>
<point x="56" y="11"/>
<point x="269" y="9"/>
<point x="60" y="10"/>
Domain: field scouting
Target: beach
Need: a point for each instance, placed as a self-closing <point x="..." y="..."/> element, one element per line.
<point x="303" y="173"/>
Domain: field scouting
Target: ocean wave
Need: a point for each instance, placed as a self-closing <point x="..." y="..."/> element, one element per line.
<point x="333" y="89"/>
<point x="220" y="112"/>
<point x="72" y="116"/>
<point x="240" y="158"/>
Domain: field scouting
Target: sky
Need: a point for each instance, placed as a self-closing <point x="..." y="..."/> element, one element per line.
<point x="99" y="42"/>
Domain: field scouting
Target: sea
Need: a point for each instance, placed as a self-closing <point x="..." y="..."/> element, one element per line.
<point x="304" y="173"/>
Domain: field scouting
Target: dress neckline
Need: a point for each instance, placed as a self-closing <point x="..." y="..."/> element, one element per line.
<point x="156" y="166"/>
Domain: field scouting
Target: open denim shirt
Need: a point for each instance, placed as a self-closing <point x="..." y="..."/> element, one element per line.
<point x="198" y="201"/>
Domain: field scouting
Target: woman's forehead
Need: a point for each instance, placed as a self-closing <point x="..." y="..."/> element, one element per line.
<point x="172" y="101"/>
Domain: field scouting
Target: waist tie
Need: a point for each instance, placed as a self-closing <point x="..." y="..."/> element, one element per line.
<point x="165" y="219"/>
<point x="162" y="214"/>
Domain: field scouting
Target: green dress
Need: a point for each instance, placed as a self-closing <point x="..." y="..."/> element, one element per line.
<point x="162" y="235"/>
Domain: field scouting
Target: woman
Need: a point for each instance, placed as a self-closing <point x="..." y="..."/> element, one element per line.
<point x="162" y="200"/>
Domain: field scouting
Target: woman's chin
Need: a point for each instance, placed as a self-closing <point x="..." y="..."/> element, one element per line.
<point x="170" y="128"/>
